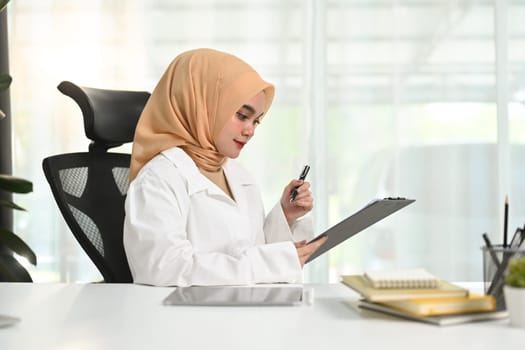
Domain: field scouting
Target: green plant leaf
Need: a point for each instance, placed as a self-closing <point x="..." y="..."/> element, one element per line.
<point x="15" y="184"/>
<point x="12" y="241"/>
<point x="515" y="275"/>
<point x="5" y="81"/>
<point x="8" y="204"/>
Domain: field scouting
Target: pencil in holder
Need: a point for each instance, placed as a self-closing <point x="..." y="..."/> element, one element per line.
<point x="495" y="261"/>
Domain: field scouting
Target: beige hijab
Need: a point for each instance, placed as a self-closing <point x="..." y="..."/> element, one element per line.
<point x="199" y="92"/>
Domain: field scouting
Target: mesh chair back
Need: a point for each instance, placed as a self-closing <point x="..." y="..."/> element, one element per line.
<point x="90" y="190"/>
<point x="90" y="187"/>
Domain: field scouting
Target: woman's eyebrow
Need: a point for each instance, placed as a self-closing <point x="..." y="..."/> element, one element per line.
<point x="249" y="108"/>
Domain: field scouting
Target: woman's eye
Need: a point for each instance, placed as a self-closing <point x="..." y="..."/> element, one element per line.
<point x="241" y="116"/>
<point x="257" y="122"/>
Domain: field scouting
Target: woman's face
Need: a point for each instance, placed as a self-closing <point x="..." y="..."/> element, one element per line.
<point x="241" y="127"/>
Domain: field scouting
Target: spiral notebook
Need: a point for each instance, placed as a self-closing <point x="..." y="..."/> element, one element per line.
<point x="407" y="278"/>
<point x="361" y="285"/>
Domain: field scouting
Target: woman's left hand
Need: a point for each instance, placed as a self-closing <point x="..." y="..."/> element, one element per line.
<point x="302" y="204"/>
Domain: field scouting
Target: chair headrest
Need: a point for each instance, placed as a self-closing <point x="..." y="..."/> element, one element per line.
<point x="110" y="116"/>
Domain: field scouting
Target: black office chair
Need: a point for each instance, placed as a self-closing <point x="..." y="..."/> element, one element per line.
<point x="90" y="187"/>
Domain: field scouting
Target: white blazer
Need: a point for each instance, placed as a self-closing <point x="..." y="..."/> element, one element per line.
<point x="181" y="229"/>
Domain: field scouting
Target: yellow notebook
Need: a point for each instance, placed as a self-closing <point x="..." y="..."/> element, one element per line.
<point x="440" y="320"/>
<point x="361" y="285"/>
<point x="444" y="306"/>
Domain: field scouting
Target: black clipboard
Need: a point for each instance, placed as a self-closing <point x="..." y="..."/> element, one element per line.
<point x="373" y="212"/>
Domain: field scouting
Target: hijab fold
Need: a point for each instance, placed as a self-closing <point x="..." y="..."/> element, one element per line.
<point x="195" y="97"/>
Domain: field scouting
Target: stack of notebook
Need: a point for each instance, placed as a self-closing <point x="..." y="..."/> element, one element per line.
<point x="418" y="295"/>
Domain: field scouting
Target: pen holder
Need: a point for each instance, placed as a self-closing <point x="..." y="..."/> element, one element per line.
<point x="495" y="261"/>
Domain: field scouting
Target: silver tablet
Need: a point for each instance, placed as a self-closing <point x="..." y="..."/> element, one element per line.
<point x="236" y="296"/>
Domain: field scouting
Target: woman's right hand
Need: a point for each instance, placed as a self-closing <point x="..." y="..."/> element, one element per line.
<point x="305" y="250"/>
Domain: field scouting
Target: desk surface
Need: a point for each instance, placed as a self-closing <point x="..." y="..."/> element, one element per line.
<point x="111" y="316"/>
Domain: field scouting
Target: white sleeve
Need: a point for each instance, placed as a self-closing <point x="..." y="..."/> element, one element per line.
<point x="276" y="228"/>
<point x="159" y="251"/>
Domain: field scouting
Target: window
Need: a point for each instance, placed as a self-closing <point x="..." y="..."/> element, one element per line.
<point x="380" y="97"/>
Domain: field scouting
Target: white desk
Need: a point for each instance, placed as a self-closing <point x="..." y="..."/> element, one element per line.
<point x="104" y="316"/>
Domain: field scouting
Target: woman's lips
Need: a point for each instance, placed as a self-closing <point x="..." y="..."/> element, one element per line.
<point x="239" y="143"/>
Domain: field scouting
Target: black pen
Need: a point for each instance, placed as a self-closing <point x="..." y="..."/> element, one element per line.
<point x="490" y="248"/>
<point x="495" y="260"/>
<point x="505" y="221"/>
<point x="301" y="177"/>
<point x="516" y="238"/>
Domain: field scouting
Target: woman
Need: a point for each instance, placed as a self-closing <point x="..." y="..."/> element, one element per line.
<point x="193" y="217"/>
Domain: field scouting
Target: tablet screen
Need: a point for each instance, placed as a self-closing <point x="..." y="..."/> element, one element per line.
<point x="235" y="295"/>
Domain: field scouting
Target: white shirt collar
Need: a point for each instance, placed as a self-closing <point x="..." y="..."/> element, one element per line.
<point x="235" y="174"/>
